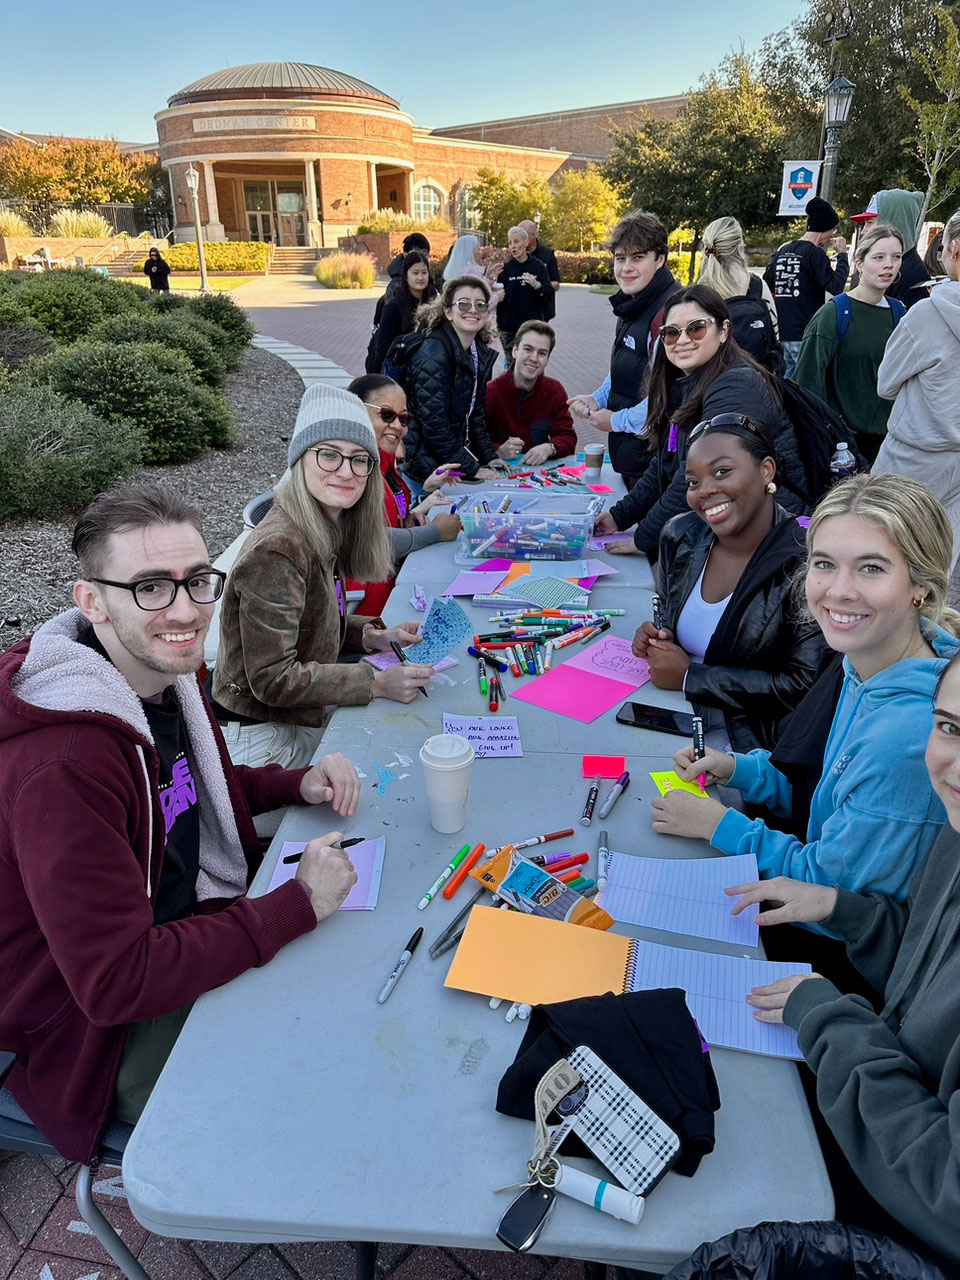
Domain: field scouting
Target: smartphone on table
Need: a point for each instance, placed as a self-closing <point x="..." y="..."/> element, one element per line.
<point x="640" y="715"/>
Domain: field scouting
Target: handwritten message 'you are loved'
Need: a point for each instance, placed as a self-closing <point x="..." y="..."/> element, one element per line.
<point x="488" y="735"/>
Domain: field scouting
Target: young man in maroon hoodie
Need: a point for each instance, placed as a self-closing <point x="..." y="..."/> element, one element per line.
<point x="527" y="411"/>
<point x="126" y="835"/>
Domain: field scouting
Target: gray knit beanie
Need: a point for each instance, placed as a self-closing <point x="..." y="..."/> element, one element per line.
<point x="330" y="413"/>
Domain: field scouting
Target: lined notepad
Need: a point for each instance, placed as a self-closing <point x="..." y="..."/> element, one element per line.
<point x="540" y="961"/>
<point x="681" y="895"/>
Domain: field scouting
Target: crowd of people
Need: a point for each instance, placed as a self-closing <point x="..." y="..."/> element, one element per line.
<point x="803" y="612"/>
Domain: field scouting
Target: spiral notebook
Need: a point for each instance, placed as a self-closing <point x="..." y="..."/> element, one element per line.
<point x="541" y="961"/>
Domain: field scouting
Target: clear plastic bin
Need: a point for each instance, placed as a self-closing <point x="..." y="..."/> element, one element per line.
<point x="546" y="526"/>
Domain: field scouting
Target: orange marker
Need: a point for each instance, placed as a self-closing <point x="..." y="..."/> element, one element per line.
<point x="457" y="879"/>
<point x="567" y="877"/>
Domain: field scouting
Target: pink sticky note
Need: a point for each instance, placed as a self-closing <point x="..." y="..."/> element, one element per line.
<point x="613" y="658"/>
<point x="599" y="488"/>
<point x="586" y="583"/>
<point x="603" y="766"/>
<point x="581" y="695"/>
<point x="493" y="566"/>
<point x="573" y="471"/>
<point x="472" y="583"/>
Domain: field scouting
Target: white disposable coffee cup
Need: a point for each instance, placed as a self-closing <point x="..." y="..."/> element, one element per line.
<point x="447" y="760"/>
<point x="593" y="457"/>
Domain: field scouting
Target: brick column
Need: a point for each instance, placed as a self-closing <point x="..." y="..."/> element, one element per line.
<point x="409" y="186"/>
<point x="372" y="184"/>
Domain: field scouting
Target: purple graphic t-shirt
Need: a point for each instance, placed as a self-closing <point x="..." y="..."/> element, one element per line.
<point x="177" y="892"/>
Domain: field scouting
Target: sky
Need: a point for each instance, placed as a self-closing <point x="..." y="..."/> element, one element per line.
<point x="445" y="63"/>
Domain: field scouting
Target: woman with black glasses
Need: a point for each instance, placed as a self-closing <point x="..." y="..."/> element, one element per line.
<point x="447" y="384"/>
<point x="283" y="622"/>
<point x="698" y="372"/>
<point x="732" y="634"/>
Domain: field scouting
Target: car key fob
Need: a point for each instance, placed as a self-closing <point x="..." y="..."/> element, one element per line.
<point x="522" y="1223"/>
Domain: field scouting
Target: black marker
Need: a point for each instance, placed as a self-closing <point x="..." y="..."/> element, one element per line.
<point x="343" y="844"/>
<point x="699" y="749"/>
<point x="402" y="657"/>
<point x="587" y="816"/>
<point x="405" y="958"/>
<point x="657" y="615"/>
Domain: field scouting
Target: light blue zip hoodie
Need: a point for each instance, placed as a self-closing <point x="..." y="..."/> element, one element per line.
<point x="874" y="816"/>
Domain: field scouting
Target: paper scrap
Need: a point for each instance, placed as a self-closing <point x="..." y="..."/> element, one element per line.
<point x="470" y="583"/>
<point x="613" y="657"/>
<point x="491" y="566"/>
<point x="444" y="628"/>
<point x="571" y="692"/>
<point x="384" y="660"/>
<point x="599" y="568"/>
<point x="599" y="488"/>
<point x="669" y="781"/>
<point x="488" y="735"/>
<point x="603" y="540"/>
<point x="367" y="859"/>
<point x="549" y="593"/>
<point x="603" y="766"/>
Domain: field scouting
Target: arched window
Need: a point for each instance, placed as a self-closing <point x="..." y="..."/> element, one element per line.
<point x="427" y="202"/>
<point x="469" y="212"/>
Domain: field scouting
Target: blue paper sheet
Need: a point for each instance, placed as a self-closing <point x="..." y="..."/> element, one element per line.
<point x="444" y="628"/>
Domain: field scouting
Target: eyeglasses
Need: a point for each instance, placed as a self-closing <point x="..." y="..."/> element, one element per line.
<point x="152" y="594"/>
<point x="465" y="307"/>
<point x="389" y="415"/>
<point x="696" y="329"/>
<point x="331" y="460"/>
<point x="721" y="420"/>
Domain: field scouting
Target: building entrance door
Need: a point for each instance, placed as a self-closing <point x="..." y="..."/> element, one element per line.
<point x="292" y="229"/>
<point x="260" y="225"/>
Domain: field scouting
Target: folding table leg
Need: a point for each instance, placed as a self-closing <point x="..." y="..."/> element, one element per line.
<point x="366" y="1259"/>
<point x="595" y="1271"/>
<point x="102" y="1229"/>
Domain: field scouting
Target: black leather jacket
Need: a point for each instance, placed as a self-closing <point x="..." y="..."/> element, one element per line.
<point x="440" y="387"/>
<point x="762" y="657"/>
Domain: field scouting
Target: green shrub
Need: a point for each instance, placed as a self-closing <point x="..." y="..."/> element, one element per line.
<point x="11" y="224"/>
<point x="23" y="342"/>
<point x="163" y="301"/>
<point x="390" y="220"/>
<point x="168" y="360"/>
<point x="56" y="454"/>
<point x="217" y="416"/>
<point x="223" y="313"/>
<point x="12" y="310"/>
<point x="79" y="224"/>
<point x="226" y="255"/>
<point x="585" y="268"/>
<point x="62" y="305"/>
<point x="181" y="335"/>
<point x="346" y="271"/>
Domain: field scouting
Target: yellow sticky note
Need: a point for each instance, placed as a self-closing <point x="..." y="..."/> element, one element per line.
<point x="669" y="781"/>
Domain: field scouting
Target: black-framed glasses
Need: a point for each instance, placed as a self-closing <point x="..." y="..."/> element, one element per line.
<point x="152" y="594"/>
<point x="465" y="307"/>
<point x="331" y="460"/>
<point x="389" y="415"/>
<point x="696" y="330"/>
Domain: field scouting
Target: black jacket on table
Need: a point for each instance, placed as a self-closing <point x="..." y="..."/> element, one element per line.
<point x="660" y="493"/>
<point x="636" y="315"/>
<point x="762" y="656"/>
<point x="440" y="388"/>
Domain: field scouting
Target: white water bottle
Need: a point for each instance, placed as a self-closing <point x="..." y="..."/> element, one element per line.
<point x="843" y="463"/>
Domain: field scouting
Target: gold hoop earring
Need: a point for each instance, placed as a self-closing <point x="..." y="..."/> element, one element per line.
<point x="771" y="487"/>
<point x="918" y="602"/>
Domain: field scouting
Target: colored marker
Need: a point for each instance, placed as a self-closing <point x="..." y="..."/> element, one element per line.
<point x="501" y="691"/>
<point x="603" y="863"/>
<point x="457" y="879"/>
<point x="512" y="659"/>
<point x="342" y="844"/>
<point x="657" y="615"/>
<point x="442" y="878"/>
<point x="402" y="657"/>
<point x="614" y="794"/>
<point x="494" y="702"/>
<point x="539" y="661"/>
<point x="583" y="886"/>
<point x="528" y="652"/>
<point x="548" y="656"/>
<point x="568" y="876"/>
<point x="699" y="749"/>
<point x="587" y="816"/>
<point x="482" y="671"/>
<point x="405" y="957"/>
<point x="576" y="860"/>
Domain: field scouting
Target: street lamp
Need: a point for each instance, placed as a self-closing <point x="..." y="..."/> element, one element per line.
<point x="837" y="100"/>
<point x="193" y="183"/>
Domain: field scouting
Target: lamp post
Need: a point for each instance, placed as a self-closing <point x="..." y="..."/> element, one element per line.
<point x="838" y="98"/>
<point x="839" y="26"/>
<point x="193" y="183"/>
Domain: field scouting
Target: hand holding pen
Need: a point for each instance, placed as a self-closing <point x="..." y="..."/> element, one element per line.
<point x="327" y="874"/>
<point x="699" y="746"/>
<point x="715" y="766"/>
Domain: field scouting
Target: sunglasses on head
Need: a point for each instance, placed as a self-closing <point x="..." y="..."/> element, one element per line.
<point x="696" y="330"/>
<point x="389" y="415"/>
<point x="722" y="420"/>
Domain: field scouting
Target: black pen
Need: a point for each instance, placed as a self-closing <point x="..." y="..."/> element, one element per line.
<point x="402" y="657"/>
<point x="405" y="957"/>
<point x="450" y="936"/>
<point x="343" y="844"/>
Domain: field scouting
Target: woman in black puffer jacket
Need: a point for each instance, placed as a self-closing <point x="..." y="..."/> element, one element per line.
<point x="446" y="384"/>
<point x="699" y="371"/>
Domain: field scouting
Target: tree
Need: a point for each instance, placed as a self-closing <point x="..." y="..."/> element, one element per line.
<point x="937" y="137"/>
<point x="74" y="171"/>
<point x="585" y="207"/>
<point x="501" y="204"/>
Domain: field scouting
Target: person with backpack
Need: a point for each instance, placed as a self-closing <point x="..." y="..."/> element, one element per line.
<point x="753" y="312"/>
<point x="413" y="243"/>
<point x="844" y="342"/>
<point x="398" y="314"/>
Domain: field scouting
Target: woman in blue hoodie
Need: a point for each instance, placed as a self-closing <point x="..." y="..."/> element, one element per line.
<point x="879" y="551"/>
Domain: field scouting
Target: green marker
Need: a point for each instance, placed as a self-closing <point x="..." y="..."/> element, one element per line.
<point x="582" y="886"/>
<point x="443" y="877"/>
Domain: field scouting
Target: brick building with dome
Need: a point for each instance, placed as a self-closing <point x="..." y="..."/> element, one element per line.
<point x="296" y="154"/>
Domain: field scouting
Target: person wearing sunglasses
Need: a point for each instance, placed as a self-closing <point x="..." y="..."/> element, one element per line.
<point x="398" y="312"/>
<point x="408" y="526"/>
<point x="447" y="384"/>
<point x="283" y="622"/>
<point x="157" y="271"/>
<point x="732" y="636"/>
<point x="698" y="372"/>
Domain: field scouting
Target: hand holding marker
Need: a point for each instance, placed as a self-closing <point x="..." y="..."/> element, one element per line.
<point x="699" y="750"/>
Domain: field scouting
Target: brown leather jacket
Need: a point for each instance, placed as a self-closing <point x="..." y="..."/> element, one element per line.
<point x="281" y="630"/>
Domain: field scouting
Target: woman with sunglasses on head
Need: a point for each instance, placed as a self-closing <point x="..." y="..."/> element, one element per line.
<point x="879" y="551"/>
<point x="447" y="382"/>
<point x="409" y="527"/>
<point x="733" y="637"/>
<point x="398" y="313"/>
<point x="698" y="372"/>
<point x="283" y="621"/>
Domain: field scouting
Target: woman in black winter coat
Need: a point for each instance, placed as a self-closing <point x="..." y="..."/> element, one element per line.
<point x="733" y="635"/>
<point x="446" y="385"/>
<point x="398" y="312"/>
<point x="698" y="372"/>
<point x="157" y="271"/>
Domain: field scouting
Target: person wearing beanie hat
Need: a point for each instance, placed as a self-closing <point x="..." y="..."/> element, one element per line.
<point x="283" y="620"/>
<point x="799" y="275"/>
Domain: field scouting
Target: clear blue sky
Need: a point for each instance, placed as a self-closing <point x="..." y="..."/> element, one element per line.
<point x="64" y="70"/>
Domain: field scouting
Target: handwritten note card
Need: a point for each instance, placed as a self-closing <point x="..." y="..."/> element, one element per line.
<point x="669" y="781"/>
<point x="384" y="660"/>
<point x="613" y="657"/>
<point x="488" y="735"/>
<point x="367" y="859"/>
<point x="444" y="629"/>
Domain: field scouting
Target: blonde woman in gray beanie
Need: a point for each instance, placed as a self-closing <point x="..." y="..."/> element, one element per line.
<point x="283" y="621"/>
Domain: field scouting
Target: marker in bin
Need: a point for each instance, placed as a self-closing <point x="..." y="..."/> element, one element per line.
<point x="699" y="749"/>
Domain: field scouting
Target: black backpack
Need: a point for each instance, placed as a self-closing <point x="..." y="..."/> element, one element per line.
<point x="818" y="429"/>
<point x="753" y="328"/>
<point x="401" y="352"/>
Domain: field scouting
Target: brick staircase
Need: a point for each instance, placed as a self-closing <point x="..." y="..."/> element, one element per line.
<point x="125" y="264"/>
<point x="293" y="262"/>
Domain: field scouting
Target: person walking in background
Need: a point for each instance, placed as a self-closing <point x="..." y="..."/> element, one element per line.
<point x="799" y="274"/>
<point x="547" y="256"/>
<point x="900" y="210"/>
<point x="157" y="271"/>
<point x="526" y="289"/>
<point x="844" y="342"/>
<point x="464" y="260"/>
<point x="527" y="411"/>
<point x="919" y="373"/>
<point x="639" y="248"/>
<point x="753" y="313"/>
<point x="398" y="313"/>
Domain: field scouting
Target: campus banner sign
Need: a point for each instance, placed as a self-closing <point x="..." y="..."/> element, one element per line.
<point x="800" y="181"/>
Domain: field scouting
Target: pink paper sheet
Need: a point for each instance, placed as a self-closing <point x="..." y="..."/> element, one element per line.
<point x="612" y="658"/>
<point x="568" y="691"/>
<point x="472" y="583"/>
<point x="599" y="488"/>
<point x="492" y="566"/>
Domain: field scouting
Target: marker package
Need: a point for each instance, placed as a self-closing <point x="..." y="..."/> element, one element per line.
<point x="531" y="889"/>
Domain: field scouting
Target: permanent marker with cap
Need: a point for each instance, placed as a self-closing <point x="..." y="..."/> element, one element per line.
<point x="405" y="957"/>
<point x="494" y="702"/>
<point x="699" y="749"/>
<point x="482" y="671"/>
<point x="442" y="878"/>
<point x="603" y="862"/>
<point x="587" y="816"/>
<point x="657" y="615"/>
<point x="614" y="794"/>
<point x="458" y="877"/>
<point x="512" y="659"/>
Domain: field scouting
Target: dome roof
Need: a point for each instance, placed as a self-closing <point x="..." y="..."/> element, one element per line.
<point x="259" y="80"/>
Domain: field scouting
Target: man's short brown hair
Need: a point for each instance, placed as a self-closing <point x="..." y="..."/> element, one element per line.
<point x="131" y="506"/>
<point x="639" y="232"/>
<point x="536" y="326"/>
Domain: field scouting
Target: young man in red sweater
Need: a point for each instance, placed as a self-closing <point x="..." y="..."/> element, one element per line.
<point x="527" y="411"/>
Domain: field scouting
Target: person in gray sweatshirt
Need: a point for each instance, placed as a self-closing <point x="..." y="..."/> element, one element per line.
<point x="919" y="374"/>
<point x="888" y="1083"/>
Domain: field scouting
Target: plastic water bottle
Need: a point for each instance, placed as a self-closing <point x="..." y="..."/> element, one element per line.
<point x="843" y="463"/>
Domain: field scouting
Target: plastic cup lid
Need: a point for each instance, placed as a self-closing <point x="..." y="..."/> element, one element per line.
<point x="446" y="751"/>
